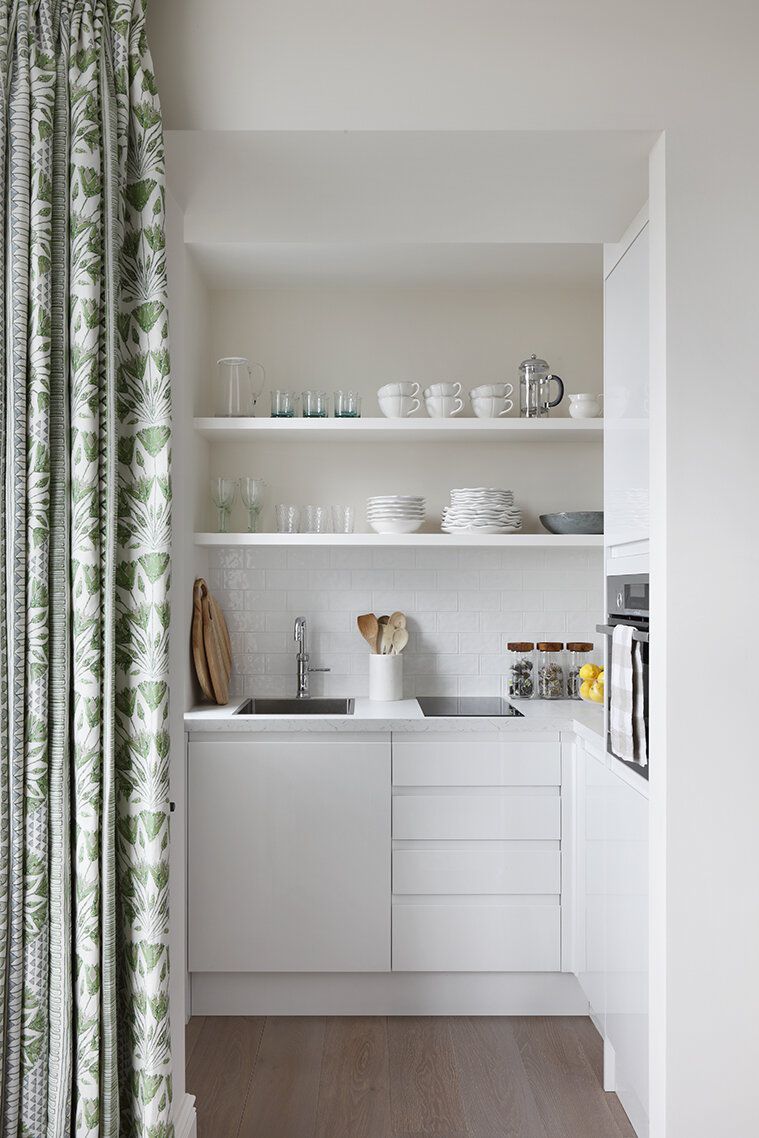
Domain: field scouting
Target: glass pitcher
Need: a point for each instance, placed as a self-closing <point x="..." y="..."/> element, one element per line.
<point x="535" y="380"/>
<point x="240" y="384"/>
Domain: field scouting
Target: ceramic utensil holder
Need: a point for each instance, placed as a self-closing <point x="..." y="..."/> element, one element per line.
<point x="385" y="678"/>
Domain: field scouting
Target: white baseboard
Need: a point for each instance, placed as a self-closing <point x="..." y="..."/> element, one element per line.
<point x="387" y="993"/>
<point x="185" y="1119"/>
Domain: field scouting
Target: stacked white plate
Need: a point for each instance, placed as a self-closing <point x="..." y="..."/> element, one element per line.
<point x="395" y="513"/>
<point x="481" y="509"/>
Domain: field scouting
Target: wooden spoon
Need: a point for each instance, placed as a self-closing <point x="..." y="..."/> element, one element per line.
<point x="398" y="620"/>
<point x="386" y="638"/>
<point x="400" y="640"/>
<point x="368" y="626"/>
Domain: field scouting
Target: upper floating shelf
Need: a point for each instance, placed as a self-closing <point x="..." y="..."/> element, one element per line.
<point x="412" y="430"/>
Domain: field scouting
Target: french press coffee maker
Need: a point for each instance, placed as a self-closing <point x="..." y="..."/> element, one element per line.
<point x="535" y="379"/>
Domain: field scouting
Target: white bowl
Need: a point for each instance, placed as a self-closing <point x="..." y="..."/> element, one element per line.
<point x="395" y="525"/>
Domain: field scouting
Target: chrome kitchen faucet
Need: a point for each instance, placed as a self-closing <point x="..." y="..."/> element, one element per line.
<point x="299" y="635"/>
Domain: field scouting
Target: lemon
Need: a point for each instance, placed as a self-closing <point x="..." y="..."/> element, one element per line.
<point x="596" y="694"/>
<point x="585" y="687"/>
<point x="589" y="671"/>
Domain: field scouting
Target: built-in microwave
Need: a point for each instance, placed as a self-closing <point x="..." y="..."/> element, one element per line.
<point x="627" y="600"/>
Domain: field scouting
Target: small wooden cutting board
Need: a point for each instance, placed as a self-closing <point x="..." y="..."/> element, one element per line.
<point x="211" y="645"/>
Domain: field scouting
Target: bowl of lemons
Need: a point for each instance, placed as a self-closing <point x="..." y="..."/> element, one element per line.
<point x="592" y="683"/>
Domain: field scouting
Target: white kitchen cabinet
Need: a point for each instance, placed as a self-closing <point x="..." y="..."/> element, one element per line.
<point x="612" y="913"/>
<point x="626" y="403"/>
<point x="289" y="854"/>
<point x="477" y="853"/>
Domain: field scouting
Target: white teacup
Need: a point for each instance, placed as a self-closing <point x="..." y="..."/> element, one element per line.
<point x="443" y="406"/>
<point x="411" y="389"/>
<point x="492" y="391"/>
<point x="585" y="405"/>
<point x="438" y="390"/>
<point x="398" y="406"/>
<point x="491" y="408"/>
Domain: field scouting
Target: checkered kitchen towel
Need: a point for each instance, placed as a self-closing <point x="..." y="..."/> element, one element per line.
<point x="639" y="714"/>
<point x="621" y="703"/>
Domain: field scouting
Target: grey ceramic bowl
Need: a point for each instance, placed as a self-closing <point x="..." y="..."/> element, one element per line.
<point x="574" y="521"/>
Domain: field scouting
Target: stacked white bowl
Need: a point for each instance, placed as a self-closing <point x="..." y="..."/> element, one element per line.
<point x="481" y="509"/>
<point x="395" y="513"/>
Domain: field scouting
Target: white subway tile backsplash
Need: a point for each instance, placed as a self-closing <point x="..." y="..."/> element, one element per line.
<point x="458" y="579"/>
<point x="264" y="557"/>
<point x="389" y="558"/>
<point x="392" y="601"/>
<point x="484" y="600"/>
<point x="479" y="642"/>
<point x="565" y="600"/>
<point x="414" y="579"/>
<point x="436" y="601"/>
<point x="372" y="579"/>
<point x="501" y="579"/>
<point x="286" y="579"/>
<point x="462" y="607"/>
<point x="342" y="558"/>
<point x="332" y="580"/>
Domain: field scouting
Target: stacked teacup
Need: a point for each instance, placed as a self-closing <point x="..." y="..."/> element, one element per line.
<point x="491" y="401"/>
<point x="397" y="400"/>
<point x="442" y="400"/>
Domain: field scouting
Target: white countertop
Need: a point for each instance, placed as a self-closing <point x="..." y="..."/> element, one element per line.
<point x="586" y="719"/>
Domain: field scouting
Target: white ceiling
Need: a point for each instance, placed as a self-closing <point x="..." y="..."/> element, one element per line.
<point x="281" y="265"/>
<point x="410" y="208"/>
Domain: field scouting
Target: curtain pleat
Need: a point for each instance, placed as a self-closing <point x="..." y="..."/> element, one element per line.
<point x="85" y="522"/>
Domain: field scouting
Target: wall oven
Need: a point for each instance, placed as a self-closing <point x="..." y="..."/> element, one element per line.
<point x="628" y="603"/>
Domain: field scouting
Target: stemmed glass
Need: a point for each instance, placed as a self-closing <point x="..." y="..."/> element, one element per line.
<point x="223" y="494"/>
<point x="252" y="491"/>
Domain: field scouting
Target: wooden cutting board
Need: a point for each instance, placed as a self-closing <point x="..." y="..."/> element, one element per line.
<point x="211" y="646"/>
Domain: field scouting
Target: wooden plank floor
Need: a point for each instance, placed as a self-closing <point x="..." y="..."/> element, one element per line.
<point x="399" y="1077"/>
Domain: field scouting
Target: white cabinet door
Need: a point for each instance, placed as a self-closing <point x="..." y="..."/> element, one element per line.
<point x="627" y="946"/>
<point x="626" y="373"/>
<point x="447" y="936"/>
<point x="613" y="898"/>
<point x="289" y="855"/>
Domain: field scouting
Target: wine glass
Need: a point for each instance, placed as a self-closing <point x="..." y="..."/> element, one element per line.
<point x="223" y="494"/>
<point x="252" y="491"/>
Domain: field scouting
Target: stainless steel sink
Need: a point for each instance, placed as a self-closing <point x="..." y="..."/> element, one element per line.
<point x="296" y="707"/>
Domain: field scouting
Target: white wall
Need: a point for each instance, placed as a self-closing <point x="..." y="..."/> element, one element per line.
<point x="689" y="67"/>
<point x="360" y="338"/>
<point x="365" y="337"/>
<point x="190" y="334"/>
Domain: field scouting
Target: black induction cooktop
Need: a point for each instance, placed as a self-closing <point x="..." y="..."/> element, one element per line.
<point x="492" y="706"/>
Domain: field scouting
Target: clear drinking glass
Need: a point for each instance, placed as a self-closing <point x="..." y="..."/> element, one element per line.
<point x="223" y="494"/>
<point x="347" y="405"/>
<point x="252" y="491"/>
<point x="288" y="518"/>
<point x="315" y="405"/>
<point x="342" y="519"/>
<point x="315" y="519"/>
<point x="283" y="404"/>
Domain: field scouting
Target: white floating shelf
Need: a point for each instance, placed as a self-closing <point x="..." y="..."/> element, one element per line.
<point x="435" y="540"/>
<point x="412" y="430"/>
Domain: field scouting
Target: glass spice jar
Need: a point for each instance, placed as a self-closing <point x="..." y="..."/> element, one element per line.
<point x="520" y="676"/>
<point x="550" y="670"/>
<point x="578" y="654"/>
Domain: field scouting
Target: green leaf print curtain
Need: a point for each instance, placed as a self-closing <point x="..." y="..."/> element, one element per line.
<point x="84" y="575"/>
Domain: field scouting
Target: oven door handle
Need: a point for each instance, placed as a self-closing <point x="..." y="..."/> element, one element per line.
<point x="608" y="630"/>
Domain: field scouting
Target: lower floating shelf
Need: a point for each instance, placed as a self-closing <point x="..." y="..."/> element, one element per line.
<point x="434" y="540"/>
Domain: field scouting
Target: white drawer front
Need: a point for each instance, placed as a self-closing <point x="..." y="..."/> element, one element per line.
<point x="476" y="938"/>
<point x="476" y="763"/>
<point x="476" y="871"/>
<point x="476" y="816"/>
